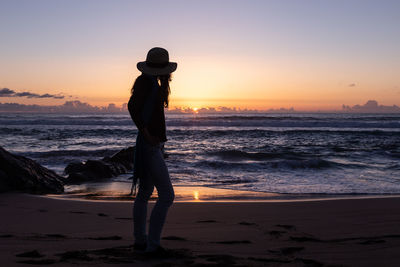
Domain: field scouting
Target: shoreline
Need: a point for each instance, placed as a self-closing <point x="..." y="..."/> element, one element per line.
<point x="204" y="194"/>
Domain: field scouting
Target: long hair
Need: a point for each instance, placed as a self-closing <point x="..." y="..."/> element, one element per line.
<point x="165" y="90"/>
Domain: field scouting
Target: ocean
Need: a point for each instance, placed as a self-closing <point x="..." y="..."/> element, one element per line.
<point x="299" y="153"/>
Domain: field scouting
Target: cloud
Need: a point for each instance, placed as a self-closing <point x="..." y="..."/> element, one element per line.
<point x="371" y="106"/>
<point x="69" y="106"/>
<point x="352" y="85"/>
<point x="221" y="109"/>
<point x="6" y="92"/>
<point x="51" y="96"/>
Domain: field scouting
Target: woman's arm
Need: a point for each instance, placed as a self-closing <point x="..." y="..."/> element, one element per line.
<point x="135" y="107"/>
<point x="136" y="102"/>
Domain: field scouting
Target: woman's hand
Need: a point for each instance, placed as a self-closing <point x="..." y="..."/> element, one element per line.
<point x="152" y="140"/>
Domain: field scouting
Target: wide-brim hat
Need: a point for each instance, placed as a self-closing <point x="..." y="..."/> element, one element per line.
<point x="157" y="62"/>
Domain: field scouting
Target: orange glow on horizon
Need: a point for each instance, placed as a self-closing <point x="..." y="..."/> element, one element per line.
<point x="210" y="82"/>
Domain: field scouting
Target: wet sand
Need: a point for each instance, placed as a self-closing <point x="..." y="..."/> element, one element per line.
<point x="355" y="232"/>
<point x="120" y="191"/>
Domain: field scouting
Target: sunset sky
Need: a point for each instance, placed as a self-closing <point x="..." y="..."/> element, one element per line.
<point x="306" y="54"/>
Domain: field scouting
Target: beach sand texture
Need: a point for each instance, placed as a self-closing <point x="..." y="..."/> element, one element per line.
<point x="357" y="232"/>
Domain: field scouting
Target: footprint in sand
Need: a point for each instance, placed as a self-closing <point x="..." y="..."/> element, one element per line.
<point x="269" y="260"/>
<point x="247" y="223"/>
<point x="279" y="233"/>
<point x="78" y="212"/>
<point x="220" y="260"/>
<point x="309" y="262"/>
<point x="276" y="233"/>
<point x="38" y="262"/>
<point x="77" y="255"/>
<point x="34" y="255"/>
<point x="290" y="250"/>
<point x="124" y="218"/>
<point x="175" y="238"/>
<point x="286" y="226"/>
<point x="232" y="242"/>
<point x="114" y="237"/>
<point x="372" y="241"/>
<point x="361" y="240"/>
<point x="305" y="239"/>
<point x="207" y="221"/>
<point x="46" y="237"/>
<point x="30" y="254"/>
<point x="55" y="236"/>
<point x="6" y="236"/>
<point x="296" y="261"/>
<point x="118" y="255"/>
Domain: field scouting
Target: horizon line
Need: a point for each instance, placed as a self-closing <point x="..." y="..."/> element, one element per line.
<point x="371" y="106"/>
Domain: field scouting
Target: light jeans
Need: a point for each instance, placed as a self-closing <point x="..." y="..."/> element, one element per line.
<point x="156" y="176"/>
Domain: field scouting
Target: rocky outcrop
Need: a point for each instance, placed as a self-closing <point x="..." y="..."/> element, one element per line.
<point x="18" y="173"/>
<point x="108" y="167"/>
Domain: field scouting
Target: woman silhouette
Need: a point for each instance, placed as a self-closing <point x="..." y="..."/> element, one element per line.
<point x="149" y="97"/>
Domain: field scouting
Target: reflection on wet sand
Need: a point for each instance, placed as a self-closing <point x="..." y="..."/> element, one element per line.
<point x="119" y="191"/>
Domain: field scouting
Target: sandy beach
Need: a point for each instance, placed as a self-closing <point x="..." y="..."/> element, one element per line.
<point x="357" y="232"/>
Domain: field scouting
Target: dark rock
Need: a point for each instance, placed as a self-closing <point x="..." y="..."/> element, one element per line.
<point x="30" y="254"/>
<point x="124" y="157"/>
<point x="18" y="173"/>
<point x="108" y="167"/>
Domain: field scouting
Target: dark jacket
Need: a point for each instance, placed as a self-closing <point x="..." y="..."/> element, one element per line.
<point x="141" y="91"/>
